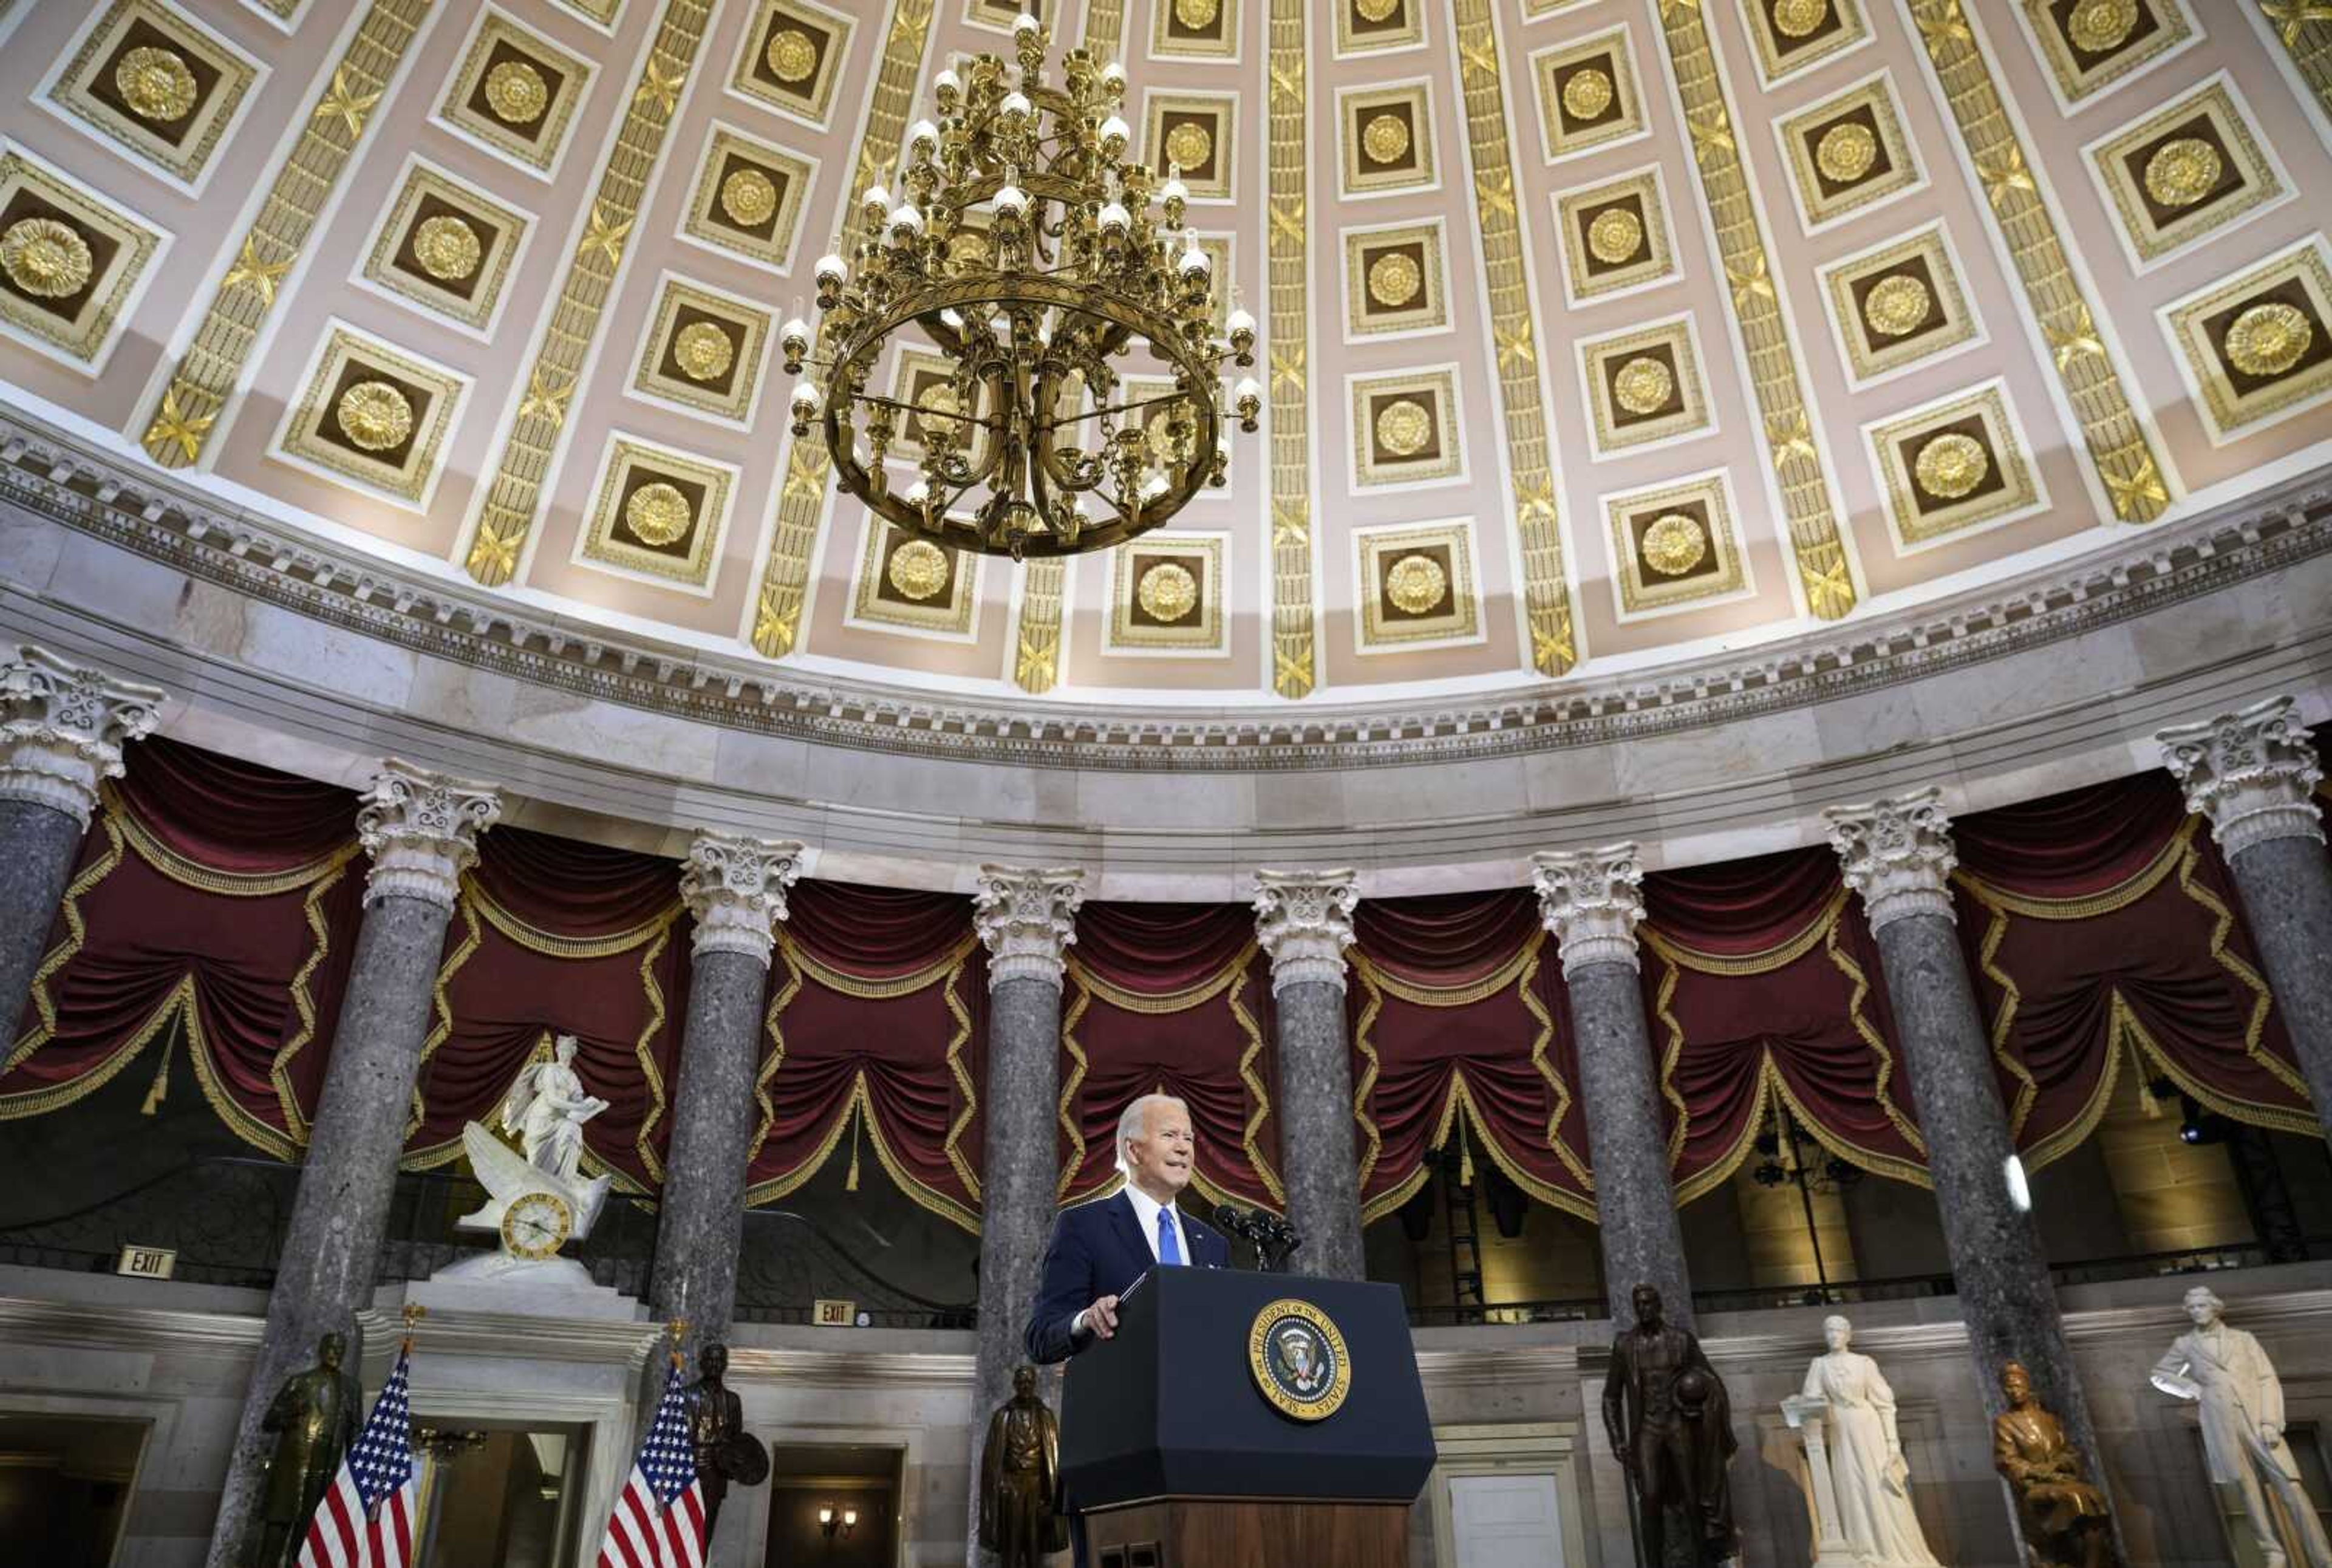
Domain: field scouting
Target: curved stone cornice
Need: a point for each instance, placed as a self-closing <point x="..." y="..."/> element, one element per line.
<point x="127" y="503"/>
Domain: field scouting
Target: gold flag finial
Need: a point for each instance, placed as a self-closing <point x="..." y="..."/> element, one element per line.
<point x="413" y="1312"/>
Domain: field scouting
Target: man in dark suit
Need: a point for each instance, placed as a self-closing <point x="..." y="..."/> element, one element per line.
<point x="1100" y="1248"/>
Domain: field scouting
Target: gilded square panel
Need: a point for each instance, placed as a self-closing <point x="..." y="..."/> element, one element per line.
<point x="1899" y="305"/>
<point x="374" y="414"/>
<point x="2184" y="172"/>
<point x="658" y="514"/>
<point x="2258" y="348"/>
<point x="1166" y="595"/>
<point x="1953" y="466"/>
<point x="1195" y="28"/>
<point x="1848" y="153"/>
<point x="1406" y="428"/>
<point x="703" y="351"/>
<point x="445" y="246"/>
<point x="747" y="197"/>
<point x="1364" y="26"/>
<point x="1615" y="236"/>
<point x="1387" y="134"/>
<point x="602" y="12"/>
<point x="1416" y="586"/>
<point x="1587" y="94"/>
<point x="516" y="92"/>
<point x="70" y="263"/>
<point x="924" y="379"/>
<point x="1197" y="134"/>
<point x="1673" y="546"/>
<point x="2092" y="44"/>
<point x="1001" y="14"/>
<point x="1394" y="281"/>
<point x="914" y="584"/>
<point x="1644" y="386"/>
<point x="1791" y="35"/>
<point x="793" y="58"/>
<point x="152" y="79"/>
<point x="1153" y="399"/>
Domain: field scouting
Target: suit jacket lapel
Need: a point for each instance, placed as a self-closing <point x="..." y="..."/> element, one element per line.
<point x="1129" y="1230"/>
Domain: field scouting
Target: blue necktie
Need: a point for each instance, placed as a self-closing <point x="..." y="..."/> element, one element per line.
<point x="1170" y="1251"/>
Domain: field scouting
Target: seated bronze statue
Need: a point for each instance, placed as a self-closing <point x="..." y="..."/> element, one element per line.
<point x="2066" y="1521"/>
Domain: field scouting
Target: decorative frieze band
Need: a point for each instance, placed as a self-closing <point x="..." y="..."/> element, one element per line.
<point x="421" y="829"/>
<point x="62" y="726"/>
<point x="2253" y="773"/>
<point x="1898" y="853"/>
<point x="735" y="889"/>
<point x="1593" y="900"/>
<point x="1304" y="919"/>
<point x="1026" y="917"/>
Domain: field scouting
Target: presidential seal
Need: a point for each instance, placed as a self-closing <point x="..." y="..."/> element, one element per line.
<point x="1297" y="1356"/>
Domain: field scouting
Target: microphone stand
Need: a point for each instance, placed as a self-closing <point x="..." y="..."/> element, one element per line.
<point x="1274" y="1240"/>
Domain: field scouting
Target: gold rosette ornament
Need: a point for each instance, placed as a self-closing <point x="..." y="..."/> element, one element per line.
<point x="703" y="351"/>
<point x="2269" y="339"/>
<point x="155" y="83"/>
<point x="1587" y="94"/>
<point x="918" y="568"/>
<point x="1896" y="304"/>
<point x="374" y="414"/>
<point x="1167" y="592"/>
<point x="748" y="197"/>
<point x="791" y="56"/>
<point x="1190" y="144"/>
<point x="1615" y="236"/>
<point x="1385" y="139"/>
<point x="447" y="248"/>
<point x="1404" y="428"/>
<point x="1952" y="466"/>
<point x="1674" y="544"/>
<point x="2096" y="26"/>
<point x="1377" y="13"/>
<point x="2182" y="171"/>
<point x="657" y="513"/>
<point x="1394" y="279"/>
<point x="516" y="92"/>
<point x="1846" y="152"/>
<point x="1415" y="583"/>
<point x="1799" y="18"/>
<point x="1197" y="15"/>
<point x="46" y="259"/>
<point x="1643" y="386"/>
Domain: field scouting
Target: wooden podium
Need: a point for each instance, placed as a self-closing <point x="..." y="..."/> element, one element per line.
<point x="1188" y="1444"/>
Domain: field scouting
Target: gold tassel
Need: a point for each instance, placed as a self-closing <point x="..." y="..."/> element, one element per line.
<point x="850" y="1181"/>
<point x="159" y="1089"/>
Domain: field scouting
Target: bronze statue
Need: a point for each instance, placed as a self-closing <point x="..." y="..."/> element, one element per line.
<point x="1020" y="1518"/>
<point x="314" y="1418"/>
<point x="725" y="1452"/>
<point x="2064" y="1517"/>
<point x="1670" y="1421"/>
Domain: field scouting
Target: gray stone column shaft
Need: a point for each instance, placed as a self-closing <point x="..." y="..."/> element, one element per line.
<point x="61" y="732"/>
<point x="735" y="888"/>
<point x="1026" y="919"/>
<point x="1590" y="900"/>
<point x="1898" y="855"/>
<point x="421" y="831"/>
<point x="2254" y="773"/>
<point x="1304" y="919"/>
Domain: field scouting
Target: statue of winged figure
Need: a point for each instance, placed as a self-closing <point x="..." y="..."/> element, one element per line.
<point x="547" y="1108"/>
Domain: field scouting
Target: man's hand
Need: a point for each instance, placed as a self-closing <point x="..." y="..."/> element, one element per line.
<point x="1100" y="1319"/>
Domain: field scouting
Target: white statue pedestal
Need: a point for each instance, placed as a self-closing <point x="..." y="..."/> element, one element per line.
<point x="1805" y="1418"/>
<point x="541" y="1288"/>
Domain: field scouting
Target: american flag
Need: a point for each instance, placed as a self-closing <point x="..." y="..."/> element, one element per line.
<point x="366" y="1520"/>
<point x="659" y="1520"/>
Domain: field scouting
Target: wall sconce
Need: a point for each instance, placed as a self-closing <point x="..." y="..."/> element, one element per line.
<point x="830" y="1519"/>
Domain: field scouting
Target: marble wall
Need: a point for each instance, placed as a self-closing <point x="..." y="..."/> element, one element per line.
<point x="176" y="1355"/>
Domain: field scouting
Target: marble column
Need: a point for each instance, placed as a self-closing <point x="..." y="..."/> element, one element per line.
<point x="1304" y="919"/>
<point x="1590" y="900"/>
<point x="1026" y="918"/>
<point x="61" y="730"/>
<point x="735" y="889"/>
<point x="1898" y="855"/>
<point x="2254" y="775"/>
<point x="421" y="830"/>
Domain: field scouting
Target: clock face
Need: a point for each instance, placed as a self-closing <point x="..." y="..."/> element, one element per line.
<point x="535" y="1225"/>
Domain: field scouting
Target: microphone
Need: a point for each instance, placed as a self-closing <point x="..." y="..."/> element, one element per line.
<point x="1272" y="1238"/>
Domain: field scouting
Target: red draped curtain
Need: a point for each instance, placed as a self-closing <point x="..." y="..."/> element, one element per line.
<point x="551" y="936"/>
<point x="1172" y="998"/>
<point x="211" y="894"/>
<point x="1761" y="979"/>
<point x="875" y="1029"/>
<point x="2103" y="931"/>
<point x="1460" y="1026"/>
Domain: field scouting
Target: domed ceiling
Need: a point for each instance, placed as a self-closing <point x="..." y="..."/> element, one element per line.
<point x="1600" y="333"/>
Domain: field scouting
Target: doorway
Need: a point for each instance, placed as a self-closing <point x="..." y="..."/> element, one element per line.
<point x="65" y="1483"/>
<point x="834" y="1506"/>
<point x="498" y="1495"/>
<point x="1506" y="1521"/>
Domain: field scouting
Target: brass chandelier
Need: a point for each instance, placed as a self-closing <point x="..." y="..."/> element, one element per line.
<point x="1031" y="447"/>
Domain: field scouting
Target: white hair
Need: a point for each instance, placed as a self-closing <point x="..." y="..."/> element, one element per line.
<point x="1835" y="1320"/>
<point x="2207" y="1293"/>
<point x="1133" y="1122"/>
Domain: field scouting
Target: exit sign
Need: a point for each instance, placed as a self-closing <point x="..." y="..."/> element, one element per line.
<point x="834" y="1314"/>
<point x="146" y="1262"/>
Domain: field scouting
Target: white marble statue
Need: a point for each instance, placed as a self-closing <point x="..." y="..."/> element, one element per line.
<point x="547" y="1108"/>
<point x="1870" y="1478"/>
<point x="536" y="1200"/>
<point x="2225" y="1371"/>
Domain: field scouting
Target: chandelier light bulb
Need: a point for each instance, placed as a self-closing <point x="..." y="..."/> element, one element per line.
<point x="832" y="269"/>
<point x="1239" y="323"/>
<point x="906" y="223"/>
<point x="919" y="495"/>
<point x="876" y="204"/>
<point x="1152" y="488"/>
<point x="793" y="341"/>
<point x="1196" y="263"/>
<point x="1016" y="108"/>
<point x="948" y="86"/>
<point x="1112" y="78"/>
<point x="1012" y="202"/>
<point x="923" y="137"/>
<point x="1025" y="24"/>
<point x="1115" y="134"/>
<point x="1173" y="194"/>
<point x="1114" y="220"/>
<point x="808" y="404"/>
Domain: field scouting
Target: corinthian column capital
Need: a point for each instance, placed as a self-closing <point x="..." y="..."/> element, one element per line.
<point x="2253" y="773"/>
<point x="735" y="889"/>
<point x="62" y="730"/>
<point x="1028" y="917"/>
<point x="421" y="829"/>
<point x="1304" y="919"/>
<point x="1898" y="853"/>
<point x="1593" y="900"/>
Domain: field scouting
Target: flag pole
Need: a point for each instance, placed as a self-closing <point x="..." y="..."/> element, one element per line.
<point x="678" y="1326"/>
<point x="414" y="1313"/>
